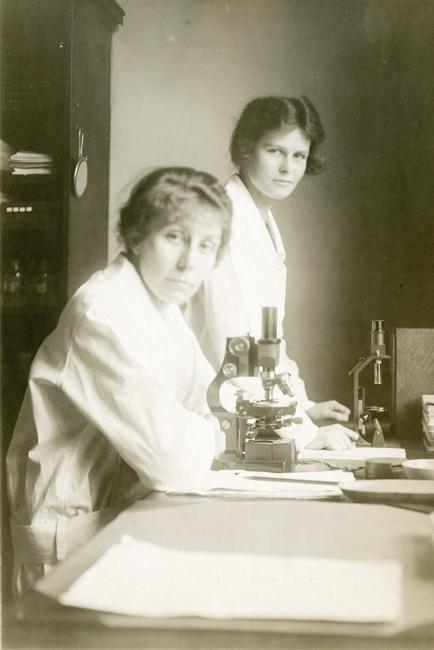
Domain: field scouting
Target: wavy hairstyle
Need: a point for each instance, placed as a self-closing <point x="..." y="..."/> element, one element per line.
<point x="163" y="195"/>
<point x="269" y="113"/>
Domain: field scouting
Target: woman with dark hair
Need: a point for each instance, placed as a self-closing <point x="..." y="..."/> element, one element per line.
<point x="116" y="399"/>
<point x="270" y="114"/>
<point x="274" y="144"/>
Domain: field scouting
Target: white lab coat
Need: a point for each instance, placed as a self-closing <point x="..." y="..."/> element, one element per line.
<point x="116" y="397"/>
<point x="250" y="276"/>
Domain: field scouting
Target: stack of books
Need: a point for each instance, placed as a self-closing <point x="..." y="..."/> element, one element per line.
<point x="428" y="421"/>
<point x="30" y="163"/>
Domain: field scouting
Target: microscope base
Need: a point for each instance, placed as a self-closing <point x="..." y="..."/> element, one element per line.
<point x="266" y="456"/>
<point x="277" y="451"/>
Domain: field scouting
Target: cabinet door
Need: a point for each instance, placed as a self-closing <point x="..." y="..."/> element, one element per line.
<point x="90" y="69"/>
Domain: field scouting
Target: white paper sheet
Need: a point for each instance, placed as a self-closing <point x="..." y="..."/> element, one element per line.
<point x="142" y="579"/>
<point x="355" y="453"/>
<point x="282" y="485"/>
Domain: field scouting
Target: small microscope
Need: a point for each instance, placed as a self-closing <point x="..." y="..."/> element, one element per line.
<point x="371" y="421"/>
<point x="251" y="436"/>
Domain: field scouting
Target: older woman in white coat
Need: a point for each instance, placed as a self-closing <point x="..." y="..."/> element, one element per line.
<point x="274" y="144"/>
<point x="116" y="396"/>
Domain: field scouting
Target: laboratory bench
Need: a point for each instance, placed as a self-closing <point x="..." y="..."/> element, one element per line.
<point x="270" y="527"/>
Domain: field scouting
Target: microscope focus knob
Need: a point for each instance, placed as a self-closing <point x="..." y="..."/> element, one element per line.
<point x="239" y="346"/>
<point x="229" y="370"/>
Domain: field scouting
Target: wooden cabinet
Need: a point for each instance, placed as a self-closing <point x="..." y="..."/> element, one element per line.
<point x="56" y="68"/>
<point x="55" y="72"/>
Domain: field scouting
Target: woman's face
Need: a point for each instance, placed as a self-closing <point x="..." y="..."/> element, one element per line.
<point x="175" y="260"/>
<point x="277" y="163"/>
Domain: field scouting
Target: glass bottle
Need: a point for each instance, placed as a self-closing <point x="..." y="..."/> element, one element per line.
<point x="43" y="284"/>
<point x="13" y="286"/>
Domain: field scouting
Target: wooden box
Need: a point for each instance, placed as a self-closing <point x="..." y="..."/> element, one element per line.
<point x="412" y="376"/>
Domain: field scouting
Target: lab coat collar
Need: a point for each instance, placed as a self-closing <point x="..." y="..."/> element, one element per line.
<point x="245" y="209"/>
<point x="128" y="279"/>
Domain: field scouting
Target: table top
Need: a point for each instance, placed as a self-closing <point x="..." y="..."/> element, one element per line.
<point x="266" y="526"/>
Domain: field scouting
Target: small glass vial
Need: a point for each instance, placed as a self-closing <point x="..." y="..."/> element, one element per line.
<point x="42" y="284"/>
<point x="13" y="286"/>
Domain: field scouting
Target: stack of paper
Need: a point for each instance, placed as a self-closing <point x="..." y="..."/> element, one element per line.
<point x="6" y="152"/>
<point x="354" y="454"/>
<point x="284" y="485"/>
<point x="428" y="421"/>
<point x="432" y="527"/>
<point x="142" y="579"/>
<point x="30" y="162"/>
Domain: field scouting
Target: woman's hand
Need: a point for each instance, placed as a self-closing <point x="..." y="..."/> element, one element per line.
<point x="334" y="437"/>
<point x="331" y="410"/>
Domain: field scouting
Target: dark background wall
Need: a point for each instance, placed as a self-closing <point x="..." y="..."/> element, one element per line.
<point x="359" y="238"/>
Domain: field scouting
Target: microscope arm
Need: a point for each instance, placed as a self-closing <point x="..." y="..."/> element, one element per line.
<point x="239" y="361"/>
<point x="365" y="361"/>
<point x="355" y="372"/>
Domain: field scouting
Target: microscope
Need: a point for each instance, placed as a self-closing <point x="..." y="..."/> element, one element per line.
<point x="371" y="421"/>
<point x="251" y="430"/>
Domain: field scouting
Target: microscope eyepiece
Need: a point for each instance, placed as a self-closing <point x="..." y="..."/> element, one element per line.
<point x="378" y="337"/>
<point x="269" y="323"/>
<point x="377" y="325"/>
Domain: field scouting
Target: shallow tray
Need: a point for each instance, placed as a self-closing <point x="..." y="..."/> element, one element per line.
<point x="390" y="490"/>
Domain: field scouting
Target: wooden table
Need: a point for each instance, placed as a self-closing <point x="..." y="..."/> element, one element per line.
<point x="267" y="526"/>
